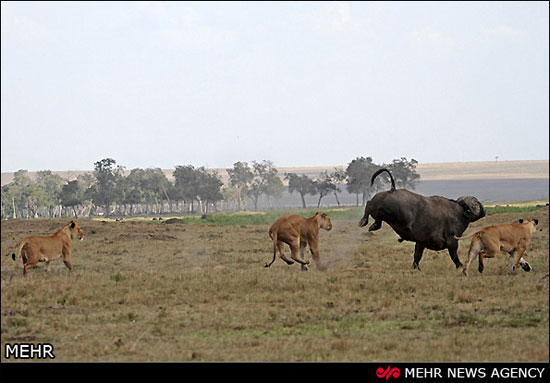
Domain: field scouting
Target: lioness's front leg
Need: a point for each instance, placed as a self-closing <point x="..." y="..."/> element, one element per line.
<point x="314" y="249"/>
<point x="67" y="262"/>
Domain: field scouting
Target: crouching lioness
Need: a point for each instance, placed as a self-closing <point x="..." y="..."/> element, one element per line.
<point x="298" y="232"/>
<point x="511" y="238"/>
<point x="45" y="249"/>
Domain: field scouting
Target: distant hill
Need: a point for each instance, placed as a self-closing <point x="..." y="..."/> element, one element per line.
<point x="492" y="170"/>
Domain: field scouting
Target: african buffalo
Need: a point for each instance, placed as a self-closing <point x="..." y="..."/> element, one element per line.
<point x="430" y="222"/>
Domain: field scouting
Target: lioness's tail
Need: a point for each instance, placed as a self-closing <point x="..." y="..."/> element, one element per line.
<point x="273" y="236"/>
<point x="467" y="236"/>
<point x="19" y="250"/>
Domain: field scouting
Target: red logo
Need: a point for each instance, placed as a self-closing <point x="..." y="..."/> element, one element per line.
<point x="388" y="372"/>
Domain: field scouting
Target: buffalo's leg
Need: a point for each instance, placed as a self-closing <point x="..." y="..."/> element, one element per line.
<point x="376" y="225"/>
<point x="418" y="250"/>
<point x="453" y="253"/>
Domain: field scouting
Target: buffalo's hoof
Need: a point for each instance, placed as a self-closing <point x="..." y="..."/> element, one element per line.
<point x="375" y="226"/>
<point x="415" y="266"/>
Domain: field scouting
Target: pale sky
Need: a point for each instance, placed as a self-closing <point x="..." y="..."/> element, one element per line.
<point x="300" y="84"/>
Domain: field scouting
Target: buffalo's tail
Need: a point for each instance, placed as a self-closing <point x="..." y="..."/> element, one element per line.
<point x="381" y="171"/>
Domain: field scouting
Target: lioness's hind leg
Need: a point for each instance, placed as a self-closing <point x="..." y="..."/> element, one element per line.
<point x="303" y="245"/>
<point x="473" y="252"/>
<point x="295" y="249"/>
<point x="282" y="254"/>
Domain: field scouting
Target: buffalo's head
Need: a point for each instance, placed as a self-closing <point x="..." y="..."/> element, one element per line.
<point x="473" y="209"/>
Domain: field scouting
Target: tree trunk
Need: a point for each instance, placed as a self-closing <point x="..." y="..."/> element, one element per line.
<point x="303" y="200"/>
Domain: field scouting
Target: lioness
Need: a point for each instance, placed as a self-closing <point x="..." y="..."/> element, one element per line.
<point x="45" y="249"/>
<point x="511" y="238"/>
<point x="297" y="232"/>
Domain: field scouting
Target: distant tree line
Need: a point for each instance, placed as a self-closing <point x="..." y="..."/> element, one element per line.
<point x="107" y="191"/>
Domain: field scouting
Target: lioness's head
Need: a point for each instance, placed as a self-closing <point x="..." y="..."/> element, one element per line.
<point x="75" y="231"/>
<point x="324" y="221"/>
<point x="531" y="222"/>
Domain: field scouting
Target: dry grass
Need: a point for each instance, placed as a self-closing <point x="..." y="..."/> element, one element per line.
<point x="143" y="291"/>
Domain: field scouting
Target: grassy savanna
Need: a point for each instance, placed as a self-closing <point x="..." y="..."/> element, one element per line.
<point x="147" y="291"/>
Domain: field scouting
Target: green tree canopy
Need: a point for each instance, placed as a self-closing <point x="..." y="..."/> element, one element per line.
<point x="303" y="185"/>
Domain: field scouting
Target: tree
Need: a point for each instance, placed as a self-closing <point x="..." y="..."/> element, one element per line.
<point x="14" y="194"/>
<point x="209" y="188"/>
<point x="264" y="178"/>
<point x="155" y="185"/>
<point x="72" y="195"/>
<point x="108" y="186"/>
<point x="26" y="195"/>
<point x="324" y="185"/>
<point x="338" y="177"/>
<point x="274" y="187"/>
<point x="239" y="177"/>
<point x="359" y="172"/>
<point x="404" y="173"/>
<point x="301" y="184"/>
<point x="197" y="184"/>
<point x="185" y="186"/>
<point x="51" y="184"/>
